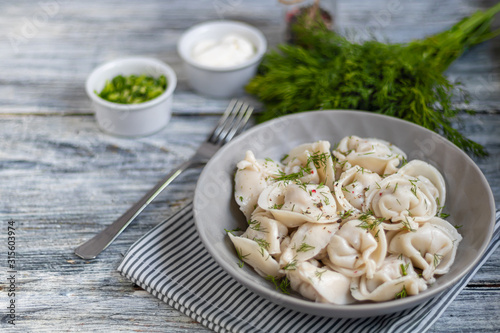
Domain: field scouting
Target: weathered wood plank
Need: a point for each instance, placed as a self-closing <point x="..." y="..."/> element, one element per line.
<point x="472" y="311"/>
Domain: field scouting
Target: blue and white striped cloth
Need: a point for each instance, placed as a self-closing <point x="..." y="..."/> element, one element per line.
<point x="171" y="263"/>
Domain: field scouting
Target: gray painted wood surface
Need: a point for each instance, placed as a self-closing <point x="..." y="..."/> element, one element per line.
<point x="62" y="179"/>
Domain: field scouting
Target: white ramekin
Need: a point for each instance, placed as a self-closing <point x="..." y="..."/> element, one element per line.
<point x="220" y="82"/>
<point x="131" y="120"/>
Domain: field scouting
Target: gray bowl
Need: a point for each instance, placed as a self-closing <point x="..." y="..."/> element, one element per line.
<point x="470" y="201"/>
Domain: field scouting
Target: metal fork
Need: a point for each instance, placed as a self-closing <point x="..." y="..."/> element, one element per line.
<point x="231" y="123"/>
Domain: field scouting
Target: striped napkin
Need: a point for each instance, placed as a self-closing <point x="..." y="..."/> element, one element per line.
<point x="171" y="263"/>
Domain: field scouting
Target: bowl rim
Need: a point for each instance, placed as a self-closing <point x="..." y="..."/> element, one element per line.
<point x="124" y="62"/>
<point x="343" y="310"/>
<point x="261" y="48"/>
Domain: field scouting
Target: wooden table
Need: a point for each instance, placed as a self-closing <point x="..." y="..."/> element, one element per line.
<point x="63" y="180"/>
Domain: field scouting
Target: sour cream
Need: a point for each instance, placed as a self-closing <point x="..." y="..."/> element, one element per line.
<point x="228" y="51"/>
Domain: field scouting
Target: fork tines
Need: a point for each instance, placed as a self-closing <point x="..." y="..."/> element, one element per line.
<point x="232" y="122"/>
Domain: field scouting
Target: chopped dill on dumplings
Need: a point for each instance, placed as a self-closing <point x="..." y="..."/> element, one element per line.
<point x="356" y="223"/>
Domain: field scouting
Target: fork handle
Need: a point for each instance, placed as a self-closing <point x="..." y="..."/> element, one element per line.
<point x="91" y="248"/>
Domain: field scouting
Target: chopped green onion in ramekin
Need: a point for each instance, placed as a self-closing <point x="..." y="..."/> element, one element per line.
<point x="133" y="89"/>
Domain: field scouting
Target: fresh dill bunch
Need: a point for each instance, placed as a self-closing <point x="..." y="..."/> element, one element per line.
<point x="324" y="70"/>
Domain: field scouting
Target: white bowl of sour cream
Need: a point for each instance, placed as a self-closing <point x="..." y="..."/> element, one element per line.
<point x="220" y="57"/>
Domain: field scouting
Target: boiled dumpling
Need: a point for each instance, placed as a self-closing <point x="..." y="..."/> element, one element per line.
<point x="307" y="242"/>
<point x="267" y="230"/>
<point x="395" y="278"/>
<point x="251" y="178"/>
<point x="430" y="176"/>
<point x="256" y="255"/>
<point x="431" y="248"/>
<point x="350" y="189"/>
<point x="358" y="248"/>
<point x="320" y="284"/>
<point x="294" y="204"/>
<point x="373" y="154"/>
<point x="403" y="200"/>
<point x="317" y="158"/>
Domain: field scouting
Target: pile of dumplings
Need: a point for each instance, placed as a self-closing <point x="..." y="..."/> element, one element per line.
<point x="356" y="223"/>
